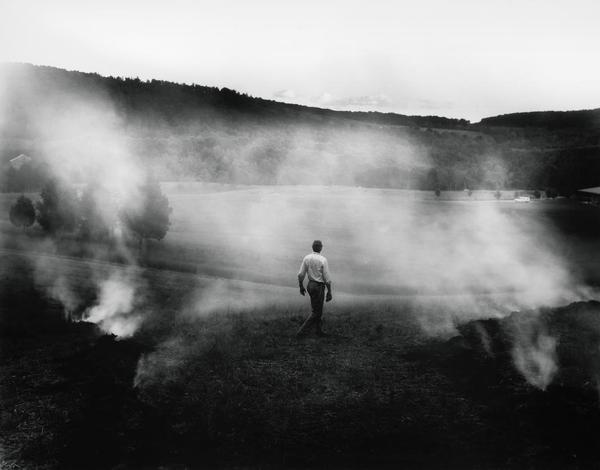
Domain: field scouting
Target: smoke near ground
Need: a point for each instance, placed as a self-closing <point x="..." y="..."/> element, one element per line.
<point x="115" y="309"/>
<point x="475" y="259"/>
<point x="535" y="356"/>
<point x="458" y="260"/>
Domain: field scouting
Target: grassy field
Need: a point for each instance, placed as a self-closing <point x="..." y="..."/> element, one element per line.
<point x="214" y="376"/>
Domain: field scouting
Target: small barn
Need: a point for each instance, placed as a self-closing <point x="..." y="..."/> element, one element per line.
<point x="589" y="195"/>
<point x="19" y="161"/>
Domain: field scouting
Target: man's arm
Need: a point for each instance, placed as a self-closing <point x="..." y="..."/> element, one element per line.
<point x="301" y="274"/>
<point x="327" y="279"/>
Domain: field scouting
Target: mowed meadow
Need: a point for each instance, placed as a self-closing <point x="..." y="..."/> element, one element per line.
<point x="203" y="369"/>
<point x="378" y="241"/>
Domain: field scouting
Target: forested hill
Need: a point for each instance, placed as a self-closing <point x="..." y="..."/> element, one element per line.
<point x="583" y="119"/>
<point x="210" y="134"/>
<point x="173" y="102"/>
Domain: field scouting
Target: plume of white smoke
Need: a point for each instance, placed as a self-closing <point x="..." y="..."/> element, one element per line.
<point x="163" y="364"/>
<point x="495" y="174"/>
<point x="82" y="138"/>
<point x="63" y="292"/>
<point x="384" y="241"/>
<point x="458" y="261"/>
<point x="118" y="291"/>
<point x="77" y="132"/>
<point x="231" y="296"/>
<point x="320" y="156"/>
<point x="57" y="279"/>
<point x="115" y="311"/>
<point x="490" y="259"/>
<point x="534" y="354"/>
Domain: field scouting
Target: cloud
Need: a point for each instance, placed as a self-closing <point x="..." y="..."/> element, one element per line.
<point x="351" y="102"/>
<point x="285" y="94"/>
<point x="325" y="99"/>
<point x="331" y="100"/>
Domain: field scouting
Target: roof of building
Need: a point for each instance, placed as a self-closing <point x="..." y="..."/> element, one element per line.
<point x="595" y="190"/>
<point x="19" y="160"/>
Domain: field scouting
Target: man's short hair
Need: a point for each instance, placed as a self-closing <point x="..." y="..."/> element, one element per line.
<point x="317" y="246"/>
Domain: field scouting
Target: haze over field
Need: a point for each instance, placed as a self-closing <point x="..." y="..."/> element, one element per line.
<point x="484" y="258"/>
<point x="83" y="136"/>
<point x="206" y="134"/>
<point x="164" y="168"/>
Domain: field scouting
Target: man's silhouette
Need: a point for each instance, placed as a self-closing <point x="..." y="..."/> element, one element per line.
<point x="315" y="266"/>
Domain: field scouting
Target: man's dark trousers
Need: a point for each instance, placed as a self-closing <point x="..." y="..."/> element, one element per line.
<point x="316" y="291"/>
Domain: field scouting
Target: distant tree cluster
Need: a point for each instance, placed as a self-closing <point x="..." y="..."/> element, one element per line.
<point x="58" y="210"/>
<point x="221" y="135"/>
<point x="583" y="119"/>
<point x="22" y="212"/>
<point x="61" y="211"/>
<point x="149" y="219"/>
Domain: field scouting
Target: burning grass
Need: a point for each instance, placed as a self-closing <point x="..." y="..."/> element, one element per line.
<point x="211" y="374"/>
<point x="229" y="389"/>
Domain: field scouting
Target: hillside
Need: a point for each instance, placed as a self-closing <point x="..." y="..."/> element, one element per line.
<point x="201" y="133"/>
<point x="582" y="119"/>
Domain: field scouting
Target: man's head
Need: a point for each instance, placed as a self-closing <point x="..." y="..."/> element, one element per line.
<point x="317" y="246"/>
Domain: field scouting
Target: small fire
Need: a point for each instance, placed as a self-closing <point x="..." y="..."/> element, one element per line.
<point x="114" y="312"/>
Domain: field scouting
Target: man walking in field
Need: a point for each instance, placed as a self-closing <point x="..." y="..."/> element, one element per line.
<point x="315" y="266"/>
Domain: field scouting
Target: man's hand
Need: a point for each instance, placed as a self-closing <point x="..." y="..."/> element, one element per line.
<point x="302" y="290"/>
<point x="328" y="297"/>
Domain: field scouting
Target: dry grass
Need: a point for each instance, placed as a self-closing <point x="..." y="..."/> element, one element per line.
<point x="196" y="389"/>
<point x="231" y="389"/>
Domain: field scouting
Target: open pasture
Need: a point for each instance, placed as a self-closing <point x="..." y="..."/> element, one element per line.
<point x="212" y="374"/>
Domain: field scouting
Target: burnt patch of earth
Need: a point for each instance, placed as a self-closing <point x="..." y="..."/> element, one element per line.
<point x="530" y="423"/>
<point x="242" y="391"/>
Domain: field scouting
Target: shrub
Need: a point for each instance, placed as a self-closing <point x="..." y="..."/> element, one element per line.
<point x="98" y="212"/>
<point x="149" y="218"/>
<point x="22" y="212"/>
<point x="58" y="208"/>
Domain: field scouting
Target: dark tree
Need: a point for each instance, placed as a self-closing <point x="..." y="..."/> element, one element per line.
<point x="22" y="212"/>
<point x="58" y="208"/>
<point x="96" y="220"/>
<point x="149" y="218"/>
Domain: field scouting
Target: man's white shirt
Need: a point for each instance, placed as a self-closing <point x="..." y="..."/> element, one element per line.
<point x="315" y="265"/>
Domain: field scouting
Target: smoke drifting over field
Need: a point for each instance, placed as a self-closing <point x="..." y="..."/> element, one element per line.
<point x="535" y="355"/>
<point x="114" y="312"/>
<point x="478" y="259"/>
<point x="80" y="138"/>
<point x="384" y="242"/>
<point x="458" y="260"/>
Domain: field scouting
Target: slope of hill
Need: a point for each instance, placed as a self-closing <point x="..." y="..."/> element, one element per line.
<point x="202" y="133"/>
<point x="581" y="119"/>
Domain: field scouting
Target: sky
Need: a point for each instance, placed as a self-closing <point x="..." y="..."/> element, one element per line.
<point x="463" y="58"/>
